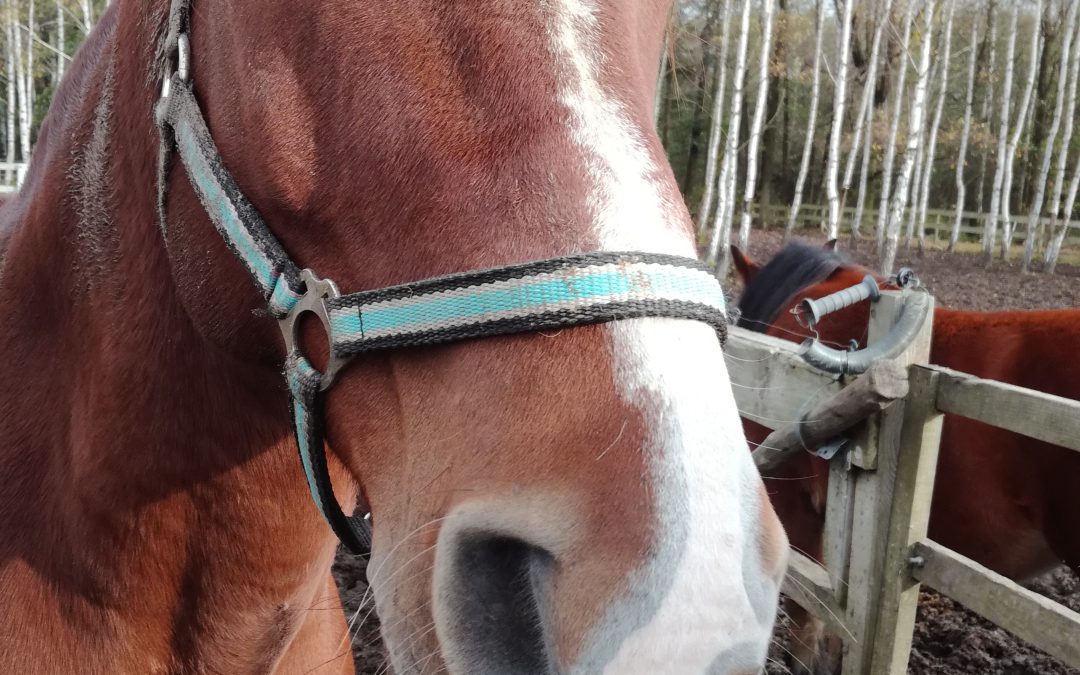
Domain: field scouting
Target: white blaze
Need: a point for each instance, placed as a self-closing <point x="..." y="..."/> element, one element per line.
<point x="707" y="487"/>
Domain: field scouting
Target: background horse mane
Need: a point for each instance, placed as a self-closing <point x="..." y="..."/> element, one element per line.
<point x="771" y="288"/>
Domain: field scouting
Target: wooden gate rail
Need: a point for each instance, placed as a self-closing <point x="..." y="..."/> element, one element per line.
<point x="1046" y="624"/>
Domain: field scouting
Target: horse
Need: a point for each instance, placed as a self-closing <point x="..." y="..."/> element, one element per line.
<point x="578" y="499"/>
<point x="1007" y="501"/>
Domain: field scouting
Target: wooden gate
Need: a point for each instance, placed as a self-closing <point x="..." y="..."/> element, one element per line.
<point x="876" y="547"/>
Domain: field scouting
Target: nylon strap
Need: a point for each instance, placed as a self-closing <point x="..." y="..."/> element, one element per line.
<point x="305" y="387"/>
<point x="550" y="294"/>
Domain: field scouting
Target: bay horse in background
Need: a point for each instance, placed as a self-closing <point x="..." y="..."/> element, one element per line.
<point x="1005" y="500"/>
<point x="606" y="515"/>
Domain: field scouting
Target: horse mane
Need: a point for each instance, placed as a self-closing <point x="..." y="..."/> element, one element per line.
<point x="794" y="268"/>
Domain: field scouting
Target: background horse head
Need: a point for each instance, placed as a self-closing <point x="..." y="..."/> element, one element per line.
<point x="575" y="501"/>
<point x="1002" y="499"/>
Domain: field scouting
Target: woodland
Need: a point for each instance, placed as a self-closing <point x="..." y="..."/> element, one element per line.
<point x="889" y="122"/>
<point x="869" y="118"/>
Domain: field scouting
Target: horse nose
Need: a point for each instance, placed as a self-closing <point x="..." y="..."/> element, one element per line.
<point x="490" y="605"/>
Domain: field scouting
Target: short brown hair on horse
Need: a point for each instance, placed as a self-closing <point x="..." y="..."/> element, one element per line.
<point x="574" y="501"/>
<point x="1005" y="500"/>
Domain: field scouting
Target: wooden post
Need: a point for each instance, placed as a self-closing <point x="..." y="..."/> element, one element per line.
<point x="910" y="514"/>
<point x="877" y="465"/>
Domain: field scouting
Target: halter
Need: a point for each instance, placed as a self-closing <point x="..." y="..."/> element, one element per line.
<point x="567" y="291"/>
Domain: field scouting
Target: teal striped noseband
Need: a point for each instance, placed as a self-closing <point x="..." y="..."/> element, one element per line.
<point x="568" y="291"/>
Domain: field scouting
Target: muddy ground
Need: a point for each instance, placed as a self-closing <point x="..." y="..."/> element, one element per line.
<point x="949" y="640"/>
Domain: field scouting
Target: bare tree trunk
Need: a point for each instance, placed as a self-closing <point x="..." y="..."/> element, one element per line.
<point x="61" y="54"/>
<point x="20" y="82"/>
<point x="1054" y="249"/>
<point x="31" y="33"/>
<point x="1051" y="138"/>
<point x="1026" y="102"/>
<point x="865" y="116"/>
<point x="864" y="179"/>
<point x="912" y="211"/>
<point x="9" y="20"/>
<point x="961" y="160"/>
<point x="918" y="112"/>
<point x="1060" y="220"/>
<point x="716" y="134"/>
<point x="832" y="166"/>
<point x="990" y="230"/>
<point x="758" y="122"/>
<point x="811" y="124"/>
<point x="729" y="166"/>
<point x="88" y="15"/>
<point x="894" y="127"/>
<point x="931" y="144"/>
<point x="987" y="113"/>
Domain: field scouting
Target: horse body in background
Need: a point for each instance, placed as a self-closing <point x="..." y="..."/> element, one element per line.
<point x="572" y="502"/>
<point x="1007" y="501"/>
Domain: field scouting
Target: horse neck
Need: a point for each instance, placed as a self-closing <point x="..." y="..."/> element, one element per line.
<point x="137" y="456"/>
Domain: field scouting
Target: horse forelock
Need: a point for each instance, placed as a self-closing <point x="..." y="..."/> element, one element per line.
<point x="796" y="267"/>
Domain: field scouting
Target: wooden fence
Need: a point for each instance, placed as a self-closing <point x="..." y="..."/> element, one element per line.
<point x="11" y="176"/>
<point x="876" y="546"/>
<point x="938" y="224"/>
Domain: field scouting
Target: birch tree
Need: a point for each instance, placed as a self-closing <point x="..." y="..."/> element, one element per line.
<point x="61" y="56"/>
<point x="811" y="123"/>
<point x="894" y="126"/>
<point x="729" y="166"/>
<point x="865" y="116"/>
<point x="88" y="16"/>
<point x="990" y="230"/>
<point x="916" y="182"/>
<point x="864" y="180"/>
<point x="758" y="122"/>
<point x="1026" y="103"/>
<point x="931" y="143"/>
<point x="1051" y="138"/>
<point x="716" y="135"/>
<point x="1054" y="249"/>
<point x="31" y="32"/>
<point x="918" y="112"/>
<point x="20" y="83"/>
<point x="987" y="114"/>
<point x="1060" y="219"/>
<point x="832" y="167"/>
<point x="965" y="134"/>
<point x="11" y="79"/>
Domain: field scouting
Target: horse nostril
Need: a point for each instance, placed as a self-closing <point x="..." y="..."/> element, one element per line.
<point x="496" y="600"/>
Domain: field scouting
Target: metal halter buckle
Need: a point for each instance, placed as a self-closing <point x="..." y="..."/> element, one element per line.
<point x="317" y="292"/>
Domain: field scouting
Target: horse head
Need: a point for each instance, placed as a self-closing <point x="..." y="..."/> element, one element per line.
<point x="568" y="501"/>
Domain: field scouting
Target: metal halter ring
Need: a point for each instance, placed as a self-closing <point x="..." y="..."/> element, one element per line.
<point x="183" y="65"/>
<point x="317" y="292"/>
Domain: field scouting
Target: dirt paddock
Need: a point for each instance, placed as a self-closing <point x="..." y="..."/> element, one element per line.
<point x="949" y="640"/>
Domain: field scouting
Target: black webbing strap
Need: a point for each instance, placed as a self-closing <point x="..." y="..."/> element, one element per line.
<point x="307" y="399"/>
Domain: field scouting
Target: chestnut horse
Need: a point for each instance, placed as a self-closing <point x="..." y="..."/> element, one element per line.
<point x="1005" y="500"/>
<point x="580" y="500"/>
